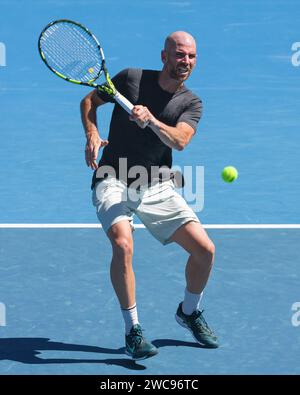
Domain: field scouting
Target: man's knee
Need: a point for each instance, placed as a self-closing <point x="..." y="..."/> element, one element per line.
<point x="207" y="251"/>
<point x="122" y="246"/>
<point x="120" y="236"/>
<point x="210" y="248"/>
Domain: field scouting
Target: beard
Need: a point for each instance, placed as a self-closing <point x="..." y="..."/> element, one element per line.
<point x="180" y="73"/>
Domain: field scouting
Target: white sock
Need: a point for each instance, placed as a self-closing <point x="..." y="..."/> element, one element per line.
<point x="130" y="316"/>
<point x="191" y="302"/>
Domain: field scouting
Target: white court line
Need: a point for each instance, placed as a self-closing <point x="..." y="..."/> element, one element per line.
<point x="140" y="226"/>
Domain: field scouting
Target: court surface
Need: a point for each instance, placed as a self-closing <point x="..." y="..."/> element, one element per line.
<point x="58" y="311"/>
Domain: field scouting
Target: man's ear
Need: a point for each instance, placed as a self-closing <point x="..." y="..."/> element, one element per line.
<point x="164" y="56"/>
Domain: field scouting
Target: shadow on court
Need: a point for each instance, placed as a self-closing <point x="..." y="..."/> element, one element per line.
<point x="26" y="350"/>
<point x="174" y="343"/>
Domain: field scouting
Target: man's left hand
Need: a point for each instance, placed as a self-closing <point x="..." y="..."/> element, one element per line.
<point x="142" y="116"/>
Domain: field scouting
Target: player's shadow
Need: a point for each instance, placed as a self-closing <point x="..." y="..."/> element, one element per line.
<point x="174" y="343"/>
<point x="27" y="350"/>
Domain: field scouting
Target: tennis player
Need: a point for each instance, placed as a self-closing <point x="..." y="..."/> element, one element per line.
<point x="172" y="112"/>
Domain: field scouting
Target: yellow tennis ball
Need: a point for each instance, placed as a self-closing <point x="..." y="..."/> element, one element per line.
<point x="229" y="174"/>
<point x="91" y="70"/>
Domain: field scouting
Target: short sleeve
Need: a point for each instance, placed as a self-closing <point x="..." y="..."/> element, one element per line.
<point x="192" y="113"/>
<point x="119" y="81"/>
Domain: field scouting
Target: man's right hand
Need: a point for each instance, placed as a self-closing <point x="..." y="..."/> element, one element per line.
<point x="93" y="144"/>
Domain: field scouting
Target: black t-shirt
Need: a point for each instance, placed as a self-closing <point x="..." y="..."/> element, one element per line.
<point x="143" y="147"/>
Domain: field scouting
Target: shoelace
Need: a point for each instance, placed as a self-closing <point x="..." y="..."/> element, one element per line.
<point x="136" y="336"/>
<point x="200" y="322"/>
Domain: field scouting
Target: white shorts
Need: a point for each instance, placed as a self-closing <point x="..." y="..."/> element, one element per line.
<point x="159" y="207"/>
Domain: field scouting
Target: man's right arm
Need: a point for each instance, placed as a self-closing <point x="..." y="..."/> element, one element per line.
<point x="88" y="108"/>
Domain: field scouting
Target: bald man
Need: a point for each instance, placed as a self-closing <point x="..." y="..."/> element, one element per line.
<point x="172" y="112"/>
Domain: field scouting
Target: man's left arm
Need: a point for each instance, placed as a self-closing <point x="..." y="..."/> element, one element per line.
<point x="176" y="137"/>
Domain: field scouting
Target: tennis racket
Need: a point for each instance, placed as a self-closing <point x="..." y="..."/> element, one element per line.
<point x="73" y="53"/>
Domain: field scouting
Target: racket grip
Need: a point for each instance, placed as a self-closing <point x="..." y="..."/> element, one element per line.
<point x="120" y="99"/>
<point x="127" y="105"/>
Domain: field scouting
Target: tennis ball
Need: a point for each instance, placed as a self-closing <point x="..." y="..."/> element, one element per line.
<point x="229" y="174"/>
<point x="91" y="70"/>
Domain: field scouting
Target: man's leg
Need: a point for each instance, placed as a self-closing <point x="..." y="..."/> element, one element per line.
<point x="123" y="281"/>
<point x="193" y="238"/>
<point x="121" y="272"/>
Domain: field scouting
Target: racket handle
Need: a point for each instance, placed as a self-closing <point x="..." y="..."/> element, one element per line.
<point x="124" y="103"/>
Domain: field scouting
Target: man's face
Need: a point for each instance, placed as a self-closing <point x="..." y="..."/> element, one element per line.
<point x="179" y="60"/>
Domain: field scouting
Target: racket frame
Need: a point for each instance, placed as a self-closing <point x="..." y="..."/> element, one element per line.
<point x="108" y="88"/>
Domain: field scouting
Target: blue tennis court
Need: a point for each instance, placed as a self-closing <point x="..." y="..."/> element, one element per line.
<point x="58" y="310"/>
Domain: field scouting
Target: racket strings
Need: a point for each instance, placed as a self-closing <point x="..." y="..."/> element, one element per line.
<point x="71" y="51"/>
<point x="74" y="46"/>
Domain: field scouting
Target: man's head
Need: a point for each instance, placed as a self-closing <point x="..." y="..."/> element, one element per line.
<point x="179" y="55"/>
